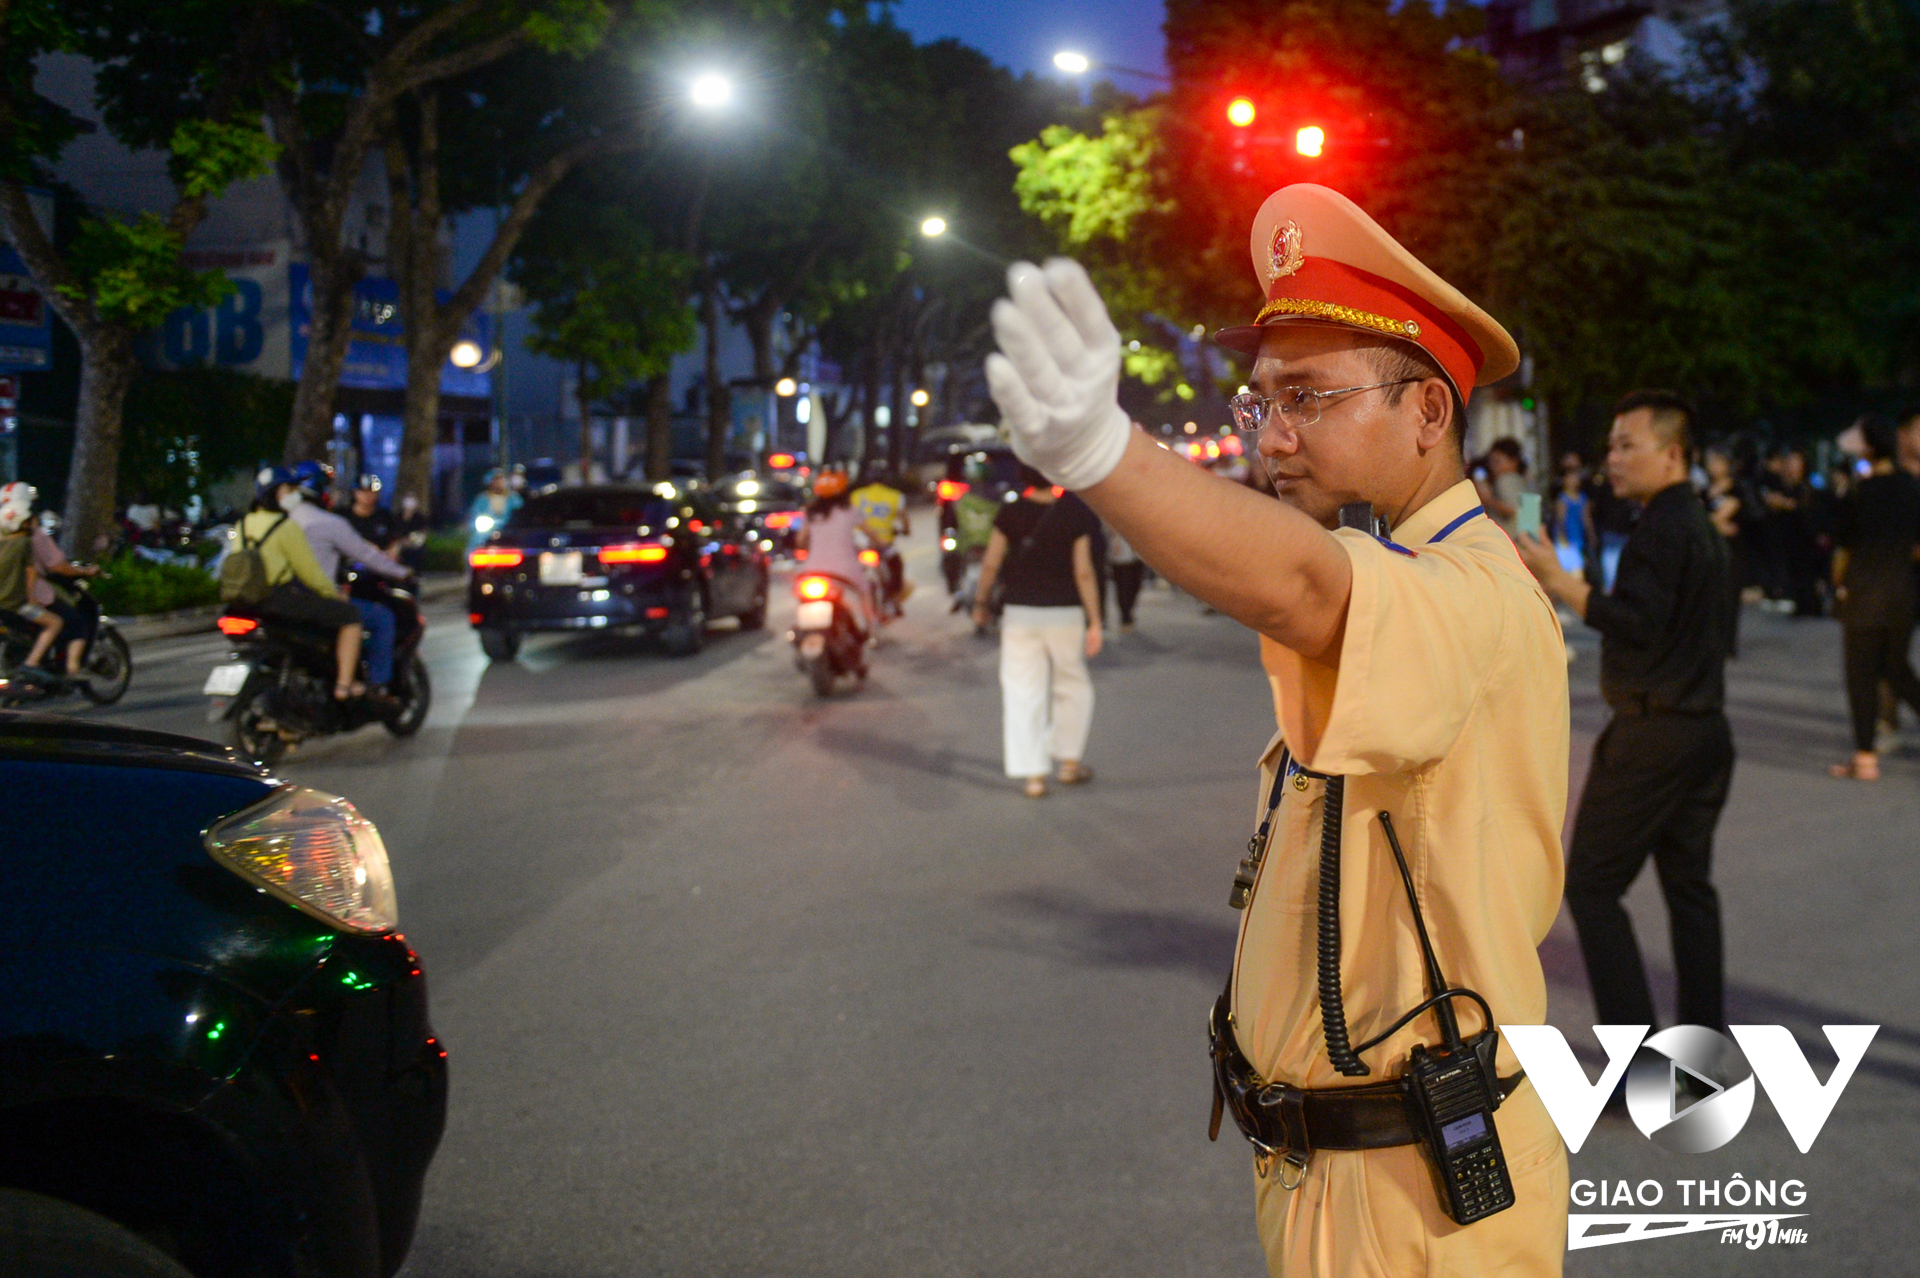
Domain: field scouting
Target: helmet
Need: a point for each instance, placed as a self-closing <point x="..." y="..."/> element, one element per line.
<point x="368" y="483"/>
<point x="830" y="483"/>
<point x="16" y="505"/>
<point x="269" y="480"/>
<point x="313" y="478"/>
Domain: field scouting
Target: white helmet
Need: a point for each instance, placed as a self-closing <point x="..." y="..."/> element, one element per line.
<point x="16" y="505"/>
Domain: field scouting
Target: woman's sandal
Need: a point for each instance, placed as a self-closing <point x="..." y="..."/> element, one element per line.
<point x="1036" y="788"/>
<point x="348" y="691"/>
<point x="1862" y="768"/>
<point x="1080" y="775"/>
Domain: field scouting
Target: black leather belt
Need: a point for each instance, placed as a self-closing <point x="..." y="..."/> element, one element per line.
<point x="1286" y="1121"/>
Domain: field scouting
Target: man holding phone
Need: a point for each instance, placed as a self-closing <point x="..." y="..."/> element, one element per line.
<point x="1663" y="764"/>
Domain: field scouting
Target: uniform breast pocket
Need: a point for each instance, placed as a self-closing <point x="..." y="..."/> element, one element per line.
<point x="1290" y="874"/>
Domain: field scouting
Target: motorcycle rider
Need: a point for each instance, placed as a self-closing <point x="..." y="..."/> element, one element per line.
<point x="301" y="593"/>
<point x="334" y="540"/>
<point x="78" y="616"/>
<point x="18" y="575"/>
<point x="493" y="504"/>
<point x="827" y="538"/>
<point x="370" y="519"/>
<point x="883" y="515"/>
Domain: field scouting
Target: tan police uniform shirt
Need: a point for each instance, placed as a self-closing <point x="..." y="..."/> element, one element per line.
<point x="1448" y="710"/>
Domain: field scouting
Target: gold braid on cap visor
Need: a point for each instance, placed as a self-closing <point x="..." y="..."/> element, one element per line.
<point x="1340" y="314"/>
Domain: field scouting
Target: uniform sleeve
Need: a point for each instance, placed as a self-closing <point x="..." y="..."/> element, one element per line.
<point x="1423" y="631"/>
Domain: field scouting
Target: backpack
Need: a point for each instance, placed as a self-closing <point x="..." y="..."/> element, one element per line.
<point x="243" y="575"/>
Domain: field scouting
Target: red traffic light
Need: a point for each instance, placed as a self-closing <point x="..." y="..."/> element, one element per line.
<point x="1240" y="112"/>
<point x="1310" y="141"/>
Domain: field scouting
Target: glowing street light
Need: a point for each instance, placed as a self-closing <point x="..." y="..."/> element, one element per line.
<point x="1310" y="141"/>
<point x="934" y="227"/>
<point x="710" y="90"/>
<point x="1240" y="112"/>
<point x="920" y="398"/>
<point x="466" y="353"/>
<point x="786" y="388"/>
<point x="1074" y="63"/>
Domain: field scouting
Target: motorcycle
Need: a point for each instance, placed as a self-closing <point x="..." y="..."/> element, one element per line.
<point x="829" y="637"/>
<point x="106" y="665"/>
<point x="276" y="689"/>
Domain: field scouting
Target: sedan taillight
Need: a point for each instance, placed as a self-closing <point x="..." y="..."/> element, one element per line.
<point x="638" y="553"/>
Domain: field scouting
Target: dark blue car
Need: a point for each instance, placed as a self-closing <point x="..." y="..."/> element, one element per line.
<point x="215" y="1054"/>
<point x="660" y="558"/>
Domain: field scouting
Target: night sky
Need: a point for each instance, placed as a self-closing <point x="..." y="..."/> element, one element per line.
<point x="1024" y="34"/>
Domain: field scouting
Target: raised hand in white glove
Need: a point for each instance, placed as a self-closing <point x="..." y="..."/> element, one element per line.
<point x="1057" y="379"/>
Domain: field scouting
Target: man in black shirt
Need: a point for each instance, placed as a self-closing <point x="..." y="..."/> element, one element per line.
<point x="1662" y="766"/>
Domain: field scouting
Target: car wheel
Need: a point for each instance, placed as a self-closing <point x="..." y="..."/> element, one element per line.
<point x="688" y="635"/>
<point x="755" y="616"/>
<point x="109" y="669"/>
<point x="40" y="1235"/>
<point x="499" y="643"/>
<point x="416" y="696"/>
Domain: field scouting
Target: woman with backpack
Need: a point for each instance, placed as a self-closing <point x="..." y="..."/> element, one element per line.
<point x="1042" y="545"/>
<point x="272" y="570"/>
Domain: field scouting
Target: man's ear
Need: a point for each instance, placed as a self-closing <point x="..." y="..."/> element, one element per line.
<point x="1433" y="399"/>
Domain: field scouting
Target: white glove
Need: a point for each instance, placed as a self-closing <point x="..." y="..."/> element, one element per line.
<point x="1057" y="382"/>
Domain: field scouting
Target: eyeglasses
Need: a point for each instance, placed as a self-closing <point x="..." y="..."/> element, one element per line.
<point x="1296" y="405"/>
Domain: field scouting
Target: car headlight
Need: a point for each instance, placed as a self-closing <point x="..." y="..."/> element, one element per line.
<point x="314" y="851"/>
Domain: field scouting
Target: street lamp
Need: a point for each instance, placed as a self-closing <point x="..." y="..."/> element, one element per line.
<point x="1240" y="112"/>
<point x="1310" y="141"/>
<point x="1079" y="64"/>
<point x="934" y="227"/>
<point x="466" y="353"/>
<point x="921" y="398"/>
<point x="710" y="91"/>
<point x="786" y="388"/>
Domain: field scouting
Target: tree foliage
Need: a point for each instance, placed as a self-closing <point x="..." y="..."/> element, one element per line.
<point x="1737" y="227"/>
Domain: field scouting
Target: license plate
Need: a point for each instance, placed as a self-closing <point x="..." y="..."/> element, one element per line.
<point x="814" y="614"/>
<point x="560" y="568"/>
<point x="226" y="681"/>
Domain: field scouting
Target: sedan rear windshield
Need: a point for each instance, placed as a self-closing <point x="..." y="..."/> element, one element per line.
<point x="579" y="509"/>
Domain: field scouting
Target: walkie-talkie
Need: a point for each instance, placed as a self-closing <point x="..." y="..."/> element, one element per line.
<point x="1453" y="1089"/>
<point x="1453" y="1110"/>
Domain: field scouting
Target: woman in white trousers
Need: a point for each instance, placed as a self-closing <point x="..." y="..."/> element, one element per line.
<point x="1043" y="546"/>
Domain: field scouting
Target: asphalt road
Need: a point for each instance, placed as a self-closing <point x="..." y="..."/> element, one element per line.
<point x="738" y="981"/>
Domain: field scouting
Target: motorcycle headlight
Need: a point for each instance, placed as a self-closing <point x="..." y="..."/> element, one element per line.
<point x="483" y="523"/>
<point x="314" y="851"/>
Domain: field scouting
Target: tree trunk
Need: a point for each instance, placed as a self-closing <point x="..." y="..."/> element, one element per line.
<point x="420" y="423"/>
<point x="660" y="428"/>
<point x="107" y="368"/>
<point x="719" y="401"/>
<point x="330" y="328"/>
<point x="897" y="430"/>
<point x="586" y="423"/>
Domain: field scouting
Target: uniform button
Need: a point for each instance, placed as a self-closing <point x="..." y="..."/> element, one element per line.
<point x="1299" y="780"/>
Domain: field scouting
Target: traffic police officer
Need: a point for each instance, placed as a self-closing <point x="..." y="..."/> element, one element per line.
<point x="1424" y="666"/>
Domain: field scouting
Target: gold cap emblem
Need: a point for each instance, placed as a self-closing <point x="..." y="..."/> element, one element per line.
<point x="1285" y="255"/>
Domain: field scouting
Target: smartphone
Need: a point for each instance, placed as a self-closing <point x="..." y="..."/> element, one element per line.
<point x="1527" y="519"/>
